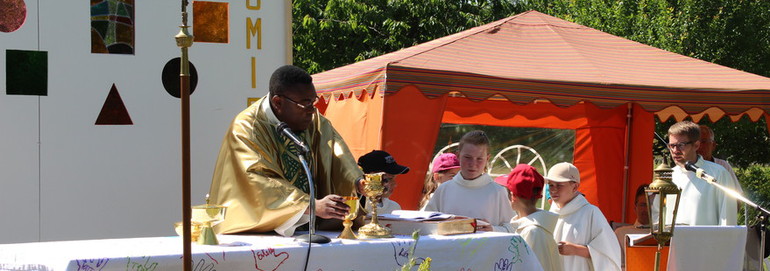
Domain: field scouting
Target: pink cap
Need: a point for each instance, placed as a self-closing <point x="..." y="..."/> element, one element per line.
<point x="445" y="161"/>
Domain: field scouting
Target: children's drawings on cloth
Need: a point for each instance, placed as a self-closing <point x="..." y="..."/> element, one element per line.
<point x="517" y="247"/>
<point x="91" y="264"/>
<point x="503" y="265"/>
<point x="207" y="261"/>
<point x="140" y="264"/>
<point x="268" y="259"/>
<point x="401" y="252"/>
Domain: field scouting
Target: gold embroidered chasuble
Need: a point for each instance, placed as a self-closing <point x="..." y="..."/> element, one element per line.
<point x="258" y="175"/>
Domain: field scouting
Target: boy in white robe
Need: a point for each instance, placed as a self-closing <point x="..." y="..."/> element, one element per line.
<point x="534" y="225"/>
<point x="586" y="240"/>
<point x="473" y="193"/>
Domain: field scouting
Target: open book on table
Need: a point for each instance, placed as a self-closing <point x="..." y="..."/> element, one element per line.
<point x="409" y="215"/>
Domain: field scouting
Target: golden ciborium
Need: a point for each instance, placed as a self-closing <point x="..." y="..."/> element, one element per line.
<point x="352" y="202"/>
<point x="208" y="215"/>
<point x="373" y="190"/>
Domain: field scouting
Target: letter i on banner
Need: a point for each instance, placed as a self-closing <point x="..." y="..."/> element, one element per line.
<point x="253" y="72"/>
<point x="252" y="29"/>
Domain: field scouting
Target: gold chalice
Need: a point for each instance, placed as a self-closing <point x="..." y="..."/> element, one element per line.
<point x="208" y="215"/>
<point x="195" y="230"/>
<point x="373" y="189"/>
<point x="352" y="202"/>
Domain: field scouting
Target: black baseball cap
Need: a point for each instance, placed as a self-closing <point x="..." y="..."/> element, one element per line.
<point x="380" y="161"/>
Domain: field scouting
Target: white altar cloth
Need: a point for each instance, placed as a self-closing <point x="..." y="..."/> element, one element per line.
<point x="479" y="251"/>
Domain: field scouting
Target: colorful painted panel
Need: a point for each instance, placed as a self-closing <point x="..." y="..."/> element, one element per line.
<point x="112" y="26"/>
<point x="14" y="13"/>
<point x="170" y="77"/>
<point x="114" y="111"/>
<point x="211" y="22"/>
<point x="26" y="72"/>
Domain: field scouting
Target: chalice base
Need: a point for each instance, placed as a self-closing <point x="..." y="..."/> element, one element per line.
<point x="373" y="231"/>
<point x="208" y="237"/>
<point x="347" y="233"/>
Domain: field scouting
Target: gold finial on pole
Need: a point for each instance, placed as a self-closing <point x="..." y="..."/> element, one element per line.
<point x="184" y="40"/>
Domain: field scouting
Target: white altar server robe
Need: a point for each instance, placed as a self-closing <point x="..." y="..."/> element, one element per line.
<point x="479" y="198"/>
<point x="537" y="231"/>
<point x="584" y="224"/>
<point x="701" y="203"/>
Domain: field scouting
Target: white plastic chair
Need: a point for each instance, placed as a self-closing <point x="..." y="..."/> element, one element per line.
<point x="518" y="154"/>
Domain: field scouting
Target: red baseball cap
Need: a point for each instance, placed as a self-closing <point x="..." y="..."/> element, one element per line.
<point x="524" y="181"/>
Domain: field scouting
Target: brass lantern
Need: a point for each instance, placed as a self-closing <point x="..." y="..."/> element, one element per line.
<point x="662" y="192"/>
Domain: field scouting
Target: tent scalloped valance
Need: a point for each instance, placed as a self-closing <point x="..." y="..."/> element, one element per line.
<point x="520" y="91"/>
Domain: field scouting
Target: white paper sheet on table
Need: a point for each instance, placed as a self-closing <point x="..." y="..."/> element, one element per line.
<point x="409" y="215"/>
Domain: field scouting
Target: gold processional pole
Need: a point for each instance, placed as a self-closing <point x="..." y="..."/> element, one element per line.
<point x="184" y="40"/>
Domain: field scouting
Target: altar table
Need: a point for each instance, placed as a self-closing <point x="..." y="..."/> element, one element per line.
<point x="479" y="251"/>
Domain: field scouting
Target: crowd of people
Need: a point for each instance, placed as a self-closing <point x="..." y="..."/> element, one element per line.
<point x="259" y="177"/>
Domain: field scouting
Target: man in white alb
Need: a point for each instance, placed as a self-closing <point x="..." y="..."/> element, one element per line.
<point x="700" y="202"/>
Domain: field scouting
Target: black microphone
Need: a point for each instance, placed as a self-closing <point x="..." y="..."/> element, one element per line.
<point x="284" y="129"/>
<point x="699" y="172"/>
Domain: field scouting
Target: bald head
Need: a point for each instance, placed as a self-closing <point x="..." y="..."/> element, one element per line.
<point x="707" y="143"/>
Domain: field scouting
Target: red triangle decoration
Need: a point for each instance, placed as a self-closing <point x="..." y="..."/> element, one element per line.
<point x="114" y="111"/>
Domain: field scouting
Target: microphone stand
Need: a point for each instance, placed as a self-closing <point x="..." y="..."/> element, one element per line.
<point x="762" y="217"/>
<point x="311" y="237"/>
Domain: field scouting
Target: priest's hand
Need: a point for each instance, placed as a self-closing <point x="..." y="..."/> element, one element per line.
<point x="331" y="206"/>
<point x="568" y="249"/>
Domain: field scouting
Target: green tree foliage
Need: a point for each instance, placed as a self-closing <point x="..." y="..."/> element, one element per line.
<point x="755" y="181"/>
<point x="334" y="33"/>
<point x="727" y="32"/>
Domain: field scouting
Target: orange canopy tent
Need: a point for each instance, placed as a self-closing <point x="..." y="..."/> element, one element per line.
<point x="534" y="70"/>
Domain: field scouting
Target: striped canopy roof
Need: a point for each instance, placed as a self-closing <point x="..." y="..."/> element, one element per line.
<point x="535" y="56"/>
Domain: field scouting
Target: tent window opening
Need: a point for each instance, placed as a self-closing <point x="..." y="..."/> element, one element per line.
<point x="551" y="145"/>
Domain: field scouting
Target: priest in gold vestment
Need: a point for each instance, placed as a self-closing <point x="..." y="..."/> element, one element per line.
<point x="258" y="175"/>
